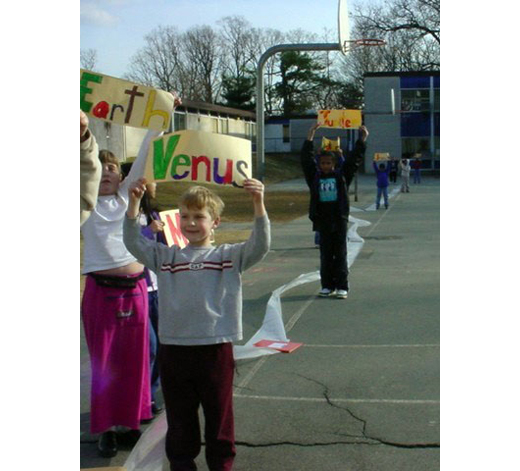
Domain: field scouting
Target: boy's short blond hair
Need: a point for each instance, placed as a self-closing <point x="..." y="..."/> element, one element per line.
<point x="199" y="197"/>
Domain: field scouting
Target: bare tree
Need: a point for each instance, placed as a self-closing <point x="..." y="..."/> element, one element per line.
<point x="411" y="29"/>
<point x="158" y="63"/>
<point x="88" y="59"/>
<point x="420" y="16"/>
<point x="202" y="49"/>
<point x="238" y="44"/>
<point x="188" y="63"/>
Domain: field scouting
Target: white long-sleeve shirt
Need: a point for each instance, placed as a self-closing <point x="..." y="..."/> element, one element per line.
<point x="103" y="246"/>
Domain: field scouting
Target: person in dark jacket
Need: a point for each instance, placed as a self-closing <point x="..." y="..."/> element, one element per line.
<point x="328" y="177"/>
<point x="394" y="167"/>
<point x="416" y="166"/>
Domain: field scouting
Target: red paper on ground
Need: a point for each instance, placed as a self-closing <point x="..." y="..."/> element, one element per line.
<point x="285" y="347"/>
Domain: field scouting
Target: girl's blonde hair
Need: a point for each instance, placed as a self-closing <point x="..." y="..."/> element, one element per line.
<point x="199" y="197"/>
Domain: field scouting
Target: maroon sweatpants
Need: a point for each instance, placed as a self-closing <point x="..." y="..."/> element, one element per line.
<point x="192" y="376"/>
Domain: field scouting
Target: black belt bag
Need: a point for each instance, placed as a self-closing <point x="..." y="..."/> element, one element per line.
<point x="109" y="281"/>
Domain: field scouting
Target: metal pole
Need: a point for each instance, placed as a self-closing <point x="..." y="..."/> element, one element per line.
<point x="260" y="102"/>
<point x="432" y="124"/>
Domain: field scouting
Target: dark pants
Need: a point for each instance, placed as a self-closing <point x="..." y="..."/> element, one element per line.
<point x="393" y="176"/>
<point x="333" y="258"/>
<point x="192" y="376"/>
<point x="153" y="311"/>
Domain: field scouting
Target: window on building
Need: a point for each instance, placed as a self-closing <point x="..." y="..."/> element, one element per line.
<point x="214" y="124"/>
<point x="286" y="133"/>
<point x="179" y="121"/>
<point x="437" y="100"/>
<point x="249" y="130"/>
<point x="415" y="100"/>
<point x="224" y="126"/>
<point x="413" y="145"/>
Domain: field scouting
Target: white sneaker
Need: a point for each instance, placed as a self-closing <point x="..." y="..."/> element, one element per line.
<point x="341" y="294"/>
<point x="325" y="292"/>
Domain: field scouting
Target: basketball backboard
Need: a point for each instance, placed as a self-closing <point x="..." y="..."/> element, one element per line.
<point x="343" y="26"/>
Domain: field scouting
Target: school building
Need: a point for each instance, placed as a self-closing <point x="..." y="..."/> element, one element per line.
<point x="402" y="114"/>
<point x="124" y="141"/>
<point x="286" y="135"/>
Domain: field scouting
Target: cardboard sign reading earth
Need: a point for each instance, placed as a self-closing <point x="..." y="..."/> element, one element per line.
<point x="196" y="156"/>
<point x="340" y="119"/>
<point x="125" y="103"/>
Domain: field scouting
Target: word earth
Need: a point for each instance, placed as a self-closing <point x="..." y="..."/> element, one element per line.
<point x="106" y="111"/>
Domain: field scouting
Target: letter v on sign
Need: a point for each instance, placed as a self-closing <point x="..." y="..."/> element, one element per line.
<point x="162" y="157"/>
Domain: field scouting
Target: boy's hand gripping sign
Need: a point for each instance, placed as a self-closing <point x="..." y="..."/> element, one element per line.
<point x="125" y="103"/>
<point x="196" y="156"/>
<point x="340" y="119"/>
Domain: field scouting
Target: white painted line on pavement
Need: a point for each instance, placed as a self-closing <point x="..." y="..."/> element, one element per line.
<point x="372" y="346"/>
<point x="322" y="399"/>
<point x="296" y="316"/>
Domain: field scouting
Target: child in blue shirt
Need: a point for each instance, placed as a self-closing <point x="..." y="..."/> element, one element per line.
<point x="382" y="172"/>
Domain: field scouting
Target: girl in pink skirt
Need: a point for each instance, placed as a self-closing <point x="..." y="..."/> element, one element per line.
<point x="115" y="312"/>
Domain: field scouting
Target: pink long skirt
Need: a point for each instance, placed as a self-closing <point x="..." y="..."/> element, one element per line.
<point x="116" y="329"/>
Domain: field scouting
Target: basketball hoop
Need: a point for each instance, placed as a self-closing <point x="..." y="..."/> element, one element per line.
<point x="365" y="42"/>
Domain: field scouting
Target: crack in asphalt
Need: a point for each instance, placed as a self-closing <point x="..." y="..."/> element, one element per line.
<point x="363" y="439"/>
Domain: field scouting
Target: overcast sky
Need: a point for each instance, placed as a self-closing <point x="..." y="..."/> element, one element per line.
<point x="116" y="28"/>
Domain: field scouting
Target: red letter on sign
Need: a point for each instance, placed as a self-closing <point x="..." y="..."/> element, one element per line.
<point x="195" y="167"/>
<point x="101" y="110"/>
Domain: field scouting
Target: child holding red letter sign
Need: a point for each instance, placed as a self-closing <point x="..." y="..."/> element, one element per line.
<point x="200" y="315"/>
<point x="328" y="177"/>
<point x="114" y="311"/>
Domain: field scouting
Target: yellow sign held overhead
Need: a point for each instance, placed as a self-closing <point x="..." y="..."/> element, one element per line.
<point x="329" y="144"/>
<point x="340" y="119"/>
<point x="381" y="156"/>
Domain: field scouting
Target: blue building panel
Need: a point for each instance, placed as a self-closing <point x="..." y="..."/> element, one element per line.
<point x="415" y="82"/>
<point x="415" y="124"/>
<point x="436" y="124"/>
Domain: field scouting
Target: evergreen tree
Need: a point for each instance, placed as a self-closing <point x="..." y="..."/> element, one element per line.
<point x="300" y="77"/>
<point x="238" y="92"/>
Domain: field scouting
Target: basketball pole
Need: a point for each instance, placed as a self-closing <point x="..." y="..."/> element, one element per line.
<point x="260" y="98"/>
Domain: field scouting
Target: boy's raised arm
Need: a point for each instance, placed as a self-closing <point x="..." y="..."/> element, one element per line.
<point x="307" y="155"/>
<point x="145" y="250"/>
<point x="256" y="189"/>
<point x="257" y="246"/>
